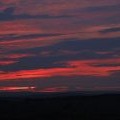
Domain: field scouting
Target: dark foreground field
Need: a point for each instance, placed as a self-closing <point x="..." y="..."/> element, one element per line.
<point x="63" y="107"/>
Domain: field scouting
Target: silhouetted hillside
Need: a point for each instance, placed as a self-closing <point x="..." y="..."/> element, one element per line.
<point x="62" y="107"/>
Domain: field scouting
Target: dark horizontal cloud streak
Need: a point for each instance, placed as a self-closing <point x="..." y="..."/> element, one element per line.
<point x="8" y="15"/>
<point x="110" y="30"/>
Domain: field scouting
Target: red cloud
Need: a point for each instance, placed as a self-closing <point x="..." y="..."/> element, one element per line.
<point x="17" y="56"/>
<point x="2" y="63"/>
<point x="9" y="1"/>
<point x="12" y="56"/>
<point x="74" y="68"/>
<point x="55" y="89"/>
<point x="17" y="88"/>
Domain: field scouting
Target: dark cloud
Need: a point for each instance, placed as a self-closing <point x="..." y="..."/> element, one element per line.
<point x="116" y="74"/>
<point x="84" y="82"/>
<point x="33" y="63"/>
<point x="2" y="36"/>
<point x="104" y="8"/>
<point x="106" y="64"/>
<point x="103" y="44"/>
<point x="29" y="36"/>
<point x="1" y="3"/>
<point x="83" y="49"/>
<point x="102" y="14"/>
<point x="117" y="29"/>
<point x="8" y="15"/>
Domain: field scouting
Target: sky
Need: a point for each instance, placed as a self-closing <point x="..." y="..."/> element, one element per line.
<point x="59" y="46"/>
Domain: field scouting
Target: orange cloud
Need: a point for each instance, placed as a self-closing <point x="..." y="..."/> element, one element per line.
<point x="73" y="68"/>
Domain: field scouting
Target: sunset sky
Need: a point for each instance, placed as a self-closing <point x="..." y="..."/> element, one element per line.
<point x="59" y="45"/>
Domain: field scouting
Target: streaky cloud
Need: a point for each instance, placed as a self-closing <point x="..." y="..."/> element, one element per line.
<point x="72" y="68"/>
<point x="8" y="15"/>
<point x="104" y="8"/>
<point x="110" y="30"/>
<point x="27" y="36"/>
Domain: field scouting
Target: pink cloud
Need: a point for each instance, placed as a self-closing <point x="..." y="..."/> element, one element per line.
<point x="54" y="89"/>
<point x="73" y="68"/>
<point x="17" y="88"/>
<point x="3" y="63"/>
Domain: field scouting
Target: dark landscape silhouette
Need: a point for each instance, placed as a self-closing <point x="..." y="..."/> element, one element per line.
<point x="60" y="106"/>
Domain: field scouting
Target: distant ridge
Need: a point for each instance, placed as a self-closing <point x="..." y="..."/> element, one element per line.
<point x="33" y="95"/>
